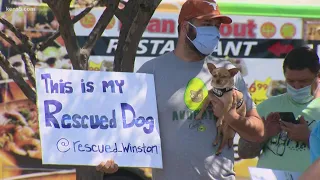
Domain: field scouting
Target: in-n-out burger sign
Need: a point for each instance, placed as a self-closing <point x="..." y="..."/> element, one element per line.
<point x="157" y="46"/>
<point x="157" y="25"/>
<point x="235" y="48"/>
<point x="237" y="30"/>
<point x="148" y="47"/>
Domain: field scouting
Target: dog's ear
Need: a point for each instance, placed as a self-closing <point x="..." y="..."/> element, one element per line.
<point x="233" y="71"/>
<point x="211" y="67"/>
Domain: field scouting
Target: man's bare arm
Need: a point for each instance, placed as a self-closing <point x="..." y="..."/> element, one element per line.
<point x="250" y="127"/>
<point x="247" y="148"/>
<point x="312" y="172"/>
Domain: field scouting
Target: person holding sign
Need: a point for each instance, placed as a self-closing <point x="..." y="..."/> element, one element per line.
<point x="182" y="82"/>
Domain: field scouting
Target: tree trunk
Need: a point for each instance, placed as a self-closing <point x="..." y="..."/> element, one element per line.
<point x="131" y="32"/>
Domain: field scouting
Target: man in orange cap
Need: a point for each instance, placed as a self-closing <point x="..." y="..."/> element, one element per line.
<point x="182" y="81"/>
<point x="199" y="22"/>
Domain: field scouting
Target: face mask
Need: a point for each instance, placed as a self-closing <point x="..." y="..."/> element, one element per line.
<point x="207" y="39"/>
<point x="302" y="95"/>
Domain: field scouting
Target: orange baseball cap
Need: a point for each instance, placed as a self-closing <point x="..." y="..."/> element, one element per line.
<point x="201" y="9"/>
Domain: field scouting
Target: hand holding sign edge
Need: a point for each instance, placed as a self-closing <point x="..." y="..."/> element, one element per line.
<point x="108" y="167"/>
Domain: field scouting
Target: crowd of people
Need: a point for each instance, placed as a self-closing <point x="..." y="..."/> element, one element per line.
<point x="283" y="131"/>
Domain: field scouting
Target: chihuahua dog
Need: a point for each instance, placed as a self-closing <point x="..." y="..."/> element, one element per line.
<point x="222" y="87"/>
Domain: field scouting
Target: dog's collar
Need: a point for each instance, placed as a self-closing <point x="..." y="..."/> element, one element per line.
<point x="239" y="103"/>
<point x="219" y="92"/>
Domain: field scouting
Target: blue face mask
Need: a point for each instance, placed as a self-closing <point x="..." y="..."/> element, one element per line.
<point x="302" y="95"/>
<point x="207" y="39"/>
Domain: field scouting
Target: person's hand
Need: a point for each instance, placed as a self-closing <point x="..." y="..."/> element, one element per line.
<point x="272" y="125"/>
<point x="232" y="113"/>
<point x="297" y="132"/>
<point x="108" y="167"/>
<point x="218" y="107"/>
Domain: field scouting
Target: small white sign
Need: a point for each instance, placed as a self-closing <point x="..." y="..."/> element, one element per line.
<point x="86" y="117"/>
<point x="270" y="174"/>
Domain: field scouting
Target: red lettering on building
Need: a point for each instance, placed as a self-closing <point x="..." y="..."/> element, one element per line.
<point x="239" y="30"/>
<point x="167" y="26"/>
